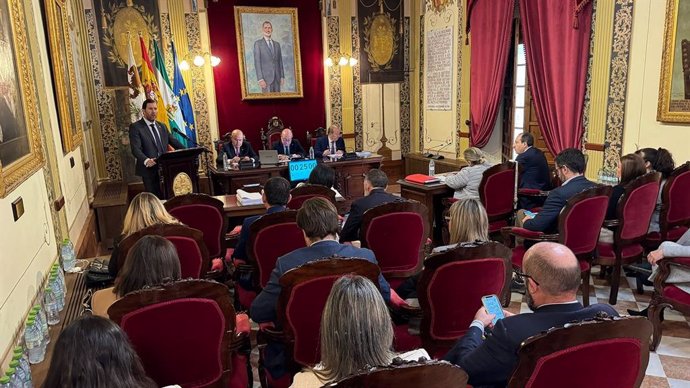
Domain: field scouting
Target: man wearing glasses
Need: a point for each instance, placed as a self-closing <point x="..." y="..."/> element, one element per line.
<point x="552" y="277"/>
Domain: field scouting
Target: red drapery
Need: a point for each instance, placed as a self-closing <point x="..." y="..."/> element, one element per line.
<point x="491" y="24"/>
<point x="301" y="114"/>
<point x="556" y="35"/>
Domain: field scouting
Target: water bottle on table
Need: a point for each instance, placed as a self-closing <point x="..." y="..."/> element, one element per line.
<point x="24" y="369"/>
<point x="67" y="253"/>
<point x="33" y="340"/>
<point x="432" y="167"/>
<point x="311" y="152"/>
<point x="49" y="300"/>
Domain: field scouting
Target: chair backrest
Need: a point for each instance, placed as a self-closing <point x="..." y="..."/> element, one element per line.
<point x="303" y="295"/>
<point x="635" y="208"/>
<point x="582" y="353"/>
<point x="303" y="193"/>
<point x="451" y="287"/>
<point x="580" y="220"/>
<point x="675" y="210"/>
<point x="203" y="212"/>
<point x="311" y="138"/>
<point x="154" y="319"/>
<point x="271" y="236"/>
<point x="272" y="133"/>
<point x="430" y="374"/>
<point x="396" y="232"/>
<point x="189" y="242"/>
<point x="497" y="190"/>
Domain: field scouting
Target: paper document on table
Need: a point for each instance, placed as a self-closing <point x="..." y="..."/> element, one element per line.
<point x="245" y="198"/>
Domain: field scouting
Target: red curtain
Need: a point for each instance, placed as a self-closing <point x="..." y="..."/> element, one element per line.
<point x="491" y="24"/>
<point x="556" y="35"/>
<point x="301" y="114"/>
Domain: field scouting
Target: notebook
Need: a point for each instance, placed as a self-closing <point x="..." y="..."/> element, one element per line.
<point x="421" y="179"/>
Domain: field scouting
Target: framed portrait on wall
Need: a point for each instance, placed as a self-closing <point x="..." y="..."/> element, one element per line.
<point x="674" y="88"/>
<point x="268" y="52"/>
<point x="64" y="75"/>
<point x="20" y="141"/>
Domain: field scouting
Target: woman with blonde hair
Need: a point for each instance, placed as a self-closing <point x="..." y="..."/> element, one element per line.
<point x="355" y="341"/>
<point x="144" y="210"/>
<point x="466" y="181"/>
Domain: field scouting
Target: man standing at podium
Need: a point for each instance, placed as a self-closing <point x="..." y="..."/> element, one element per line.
<point x="149" y="139"/>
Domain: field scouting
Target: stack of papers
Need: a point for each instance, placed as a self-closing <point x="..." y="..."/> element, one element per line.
<point x="245" y="199"/>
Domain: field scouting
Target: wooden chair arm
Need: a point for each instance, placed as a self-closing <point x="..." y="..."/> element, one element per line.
<point x="513" y="231"/>
<point x="664" y="271"/>
<point x="533" y="193"/>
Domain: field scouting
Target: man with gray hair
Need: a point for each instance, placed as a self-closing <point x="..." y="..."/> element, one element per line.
<point x="552" y="277"/>
<point x="331" y="144"/>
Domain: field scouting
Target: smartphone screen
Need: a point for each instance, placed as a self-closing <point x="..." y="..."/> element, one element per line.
<point x="529" y="213"/>
<point x="493" y="306"/>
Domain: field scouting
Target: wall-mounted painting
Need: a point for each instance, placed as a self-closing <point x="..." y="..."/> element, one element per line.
<point x="268" y="50"/>
<point x="674" y="88"/>
<point x="20" y="141"/>
<point x="64" y="75"/>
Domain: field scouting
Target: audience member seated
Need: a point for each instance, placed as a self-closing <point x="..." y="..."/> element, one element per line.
<point x="630" y="167"/>
<point x="552" y="275"/>
<point x="275" y="195"/>
<point x="95" y="352"/>
<point x="535" y="170"/>
<point x="466" y="181"/>
<point x="152" y="260"/>
<point x="237" y="149"/>
<point x="361" y="338"/>
<point x="661" y="161"/>
<point x="375" y="183"/>
<point x="331" y="144"/>
<point x="288" y="147"/>
<point x="144" y="211"/>
<point x="324" y="176"/>
<point x="570" y="167"/>
<point x="468" y="224"/>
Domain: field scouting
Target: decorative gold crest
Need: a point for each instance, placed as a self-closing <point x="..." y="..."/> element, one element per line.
<point x="182" y="184"/>
<point x="438" y="6"/>
<point x="126" y="23"/>
<point x="380" y="41"/>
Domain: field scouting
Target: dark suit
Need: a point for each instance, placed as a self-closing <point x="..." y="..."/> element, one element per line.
<point x="144" y="146"/>
<point x="490" y="362"/>
<point x="294" y="148"/>
<point x="323" y="143"/>
<point x="376" y="197"/>
<point x="535" y="175"/>
<point x="547" y="219"/>
<point x="240" y="251"/>
<point x="611" y="210"/>
<point x="245" y="150"/>
<point x="268" y="65"/>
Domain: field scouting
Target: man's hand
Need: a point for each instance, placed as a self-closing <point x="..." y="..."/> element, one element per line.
<point x="326" y="152"/>
<point x="236" y="159"/>
<point x="282" y="157"/>
<point x="654" y="256"/>
<point x="262" y="84"/>
<point x="245" y="158"/>
<point x="507" y="313"/>
<point x="484" y="317"/>
<point x="150" y="162"/>
<point x="339" y="153"/>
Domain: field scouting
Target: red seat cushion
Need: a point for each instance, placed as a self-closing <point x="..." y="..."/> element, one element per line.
<point x="245" y="297"/>
<point x="239" y="378"/>
<point x="606" y="253"/>
<point x="404" y="341"/>
<point x="672" y="235"/>
<point x="675" y="293"/>
<point x="497" y="225"/>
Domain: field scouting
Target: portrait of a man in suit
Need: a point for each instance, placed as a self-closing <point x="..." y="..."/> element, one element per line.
<point x="268" y="61"/>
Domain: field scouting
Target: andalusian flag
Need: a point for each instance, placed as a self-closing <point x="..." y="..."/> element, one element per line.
<point x="136" y="91"/>
<point x="180" y="91"/>
<point x="171" y="102"/>
<point x="148" y="81"/>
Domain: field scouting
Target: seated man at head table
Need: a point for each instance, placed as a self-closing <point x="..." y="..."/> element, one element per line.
<point x="288" y="148"/>
<point x="331" y="144"/>
<point x="552" y="276"/>
<point x="238" y="149"/>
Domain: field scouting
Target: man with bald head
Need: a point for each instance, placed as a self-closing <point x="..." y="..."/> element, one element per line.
<point x="287" y="147"/>
<point x="552" y="278"/>
<point x="238" y="149"/>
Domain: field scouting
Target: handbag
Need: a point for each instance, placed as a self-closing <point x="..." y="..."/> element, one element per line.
<point x="98" y="276"/>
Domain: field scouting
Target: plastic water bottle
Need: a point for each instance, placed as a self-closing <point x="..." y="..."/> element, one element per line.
<point x="311" y="152"/>
<point x="5" y="382"/>
<point x="58" y="270"/>
<point x="225" y="161"/>
<point x="33" y="340"/>
<point x="13" y="373"/>
<point x="50" y="303"/>
<point x="67" y="253"/>
<point x="432" y="167"/>
<point x="58" y="290"/>
<point x="24" y="366"/>
<point x="42" y="323"/>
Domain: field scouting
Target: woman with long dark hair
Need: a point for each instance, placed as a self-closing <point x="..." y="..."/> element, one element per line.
<point x="661" y="161"/>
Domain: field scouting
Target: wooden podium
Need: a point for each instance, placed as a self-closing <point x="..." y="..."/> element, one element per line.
<point x="179" y="171"/>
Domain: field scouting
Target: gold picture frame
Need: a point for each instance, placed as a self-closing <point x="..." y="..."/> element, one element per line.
<point x="280" y="57"/>
<point x="674" y="86"/>
<point x="64" y="78"/>
<point x="20" y="146"/>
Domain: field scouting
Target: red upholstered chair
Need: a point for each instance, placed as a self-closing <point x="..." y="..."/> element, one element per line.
<point x="451" y="287"/>
<point x="303" y="193"/>
<point x="581" y="355"/>
<point x="497" y="193"/>
<point x="186" y="333"/>
<point x="634" y="211"/>
<point x="303" y="296"/>
<point x="272" y="134"/>
<point x="397" y="233"/>
<point x="430" y="374"/>
<point x="579" y="224"/>
<point x="667" y="294"/>
<point x="674" y="218"/>
<point x="311" y="139"/>
<point x="189" y="242"/>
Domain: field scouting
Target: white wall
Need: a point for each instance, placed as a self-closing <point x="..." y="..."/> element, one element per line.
<point x="373" y="117"/>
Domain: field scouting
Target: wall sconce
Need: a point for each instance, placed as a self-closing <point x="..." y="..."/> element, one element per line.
<point x="199" y="60"/>
<point x="344" y="60"/>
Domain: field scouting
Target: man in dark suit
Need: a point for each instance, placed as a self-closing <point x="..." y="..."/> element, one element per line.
<point x="570" y="165"/>
<point x="331" y="144"/>
<point x="552" y="276"/>
<point x="148" y="140"/>
<point x="375" y="183"/>
<point x="288" y="147"/>
<point x="268" y="61"/>
<point x="535" y="169"/>
<point x="238" y="149"/>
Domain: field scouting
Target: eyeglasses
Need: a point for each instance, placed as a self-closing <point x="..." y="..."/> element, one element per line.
<point x="524" y="276"/>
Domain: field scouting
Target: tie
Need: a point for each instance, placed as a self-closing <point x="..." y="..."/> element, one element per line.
<point x="237" y="152"/>
<point x="333" y="151"/>
<point x="270" y="45"/>
<point x="157" y="139"/>
<point x="287" y="152"/>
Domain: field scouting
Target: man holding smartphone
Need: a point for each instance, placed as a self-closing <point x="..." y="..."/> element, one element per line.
<point x="552" y="277"/>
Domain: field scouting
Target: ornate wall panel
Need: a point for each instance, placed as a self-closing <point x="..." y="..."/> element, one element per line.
<point x="198" y="82"/>
<point x="421" y="83"/>
<point x="357" y="87"/>
<point x="405" y="93"/>
<point x="334" y="80"/>
<point x="459" y="122"/>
